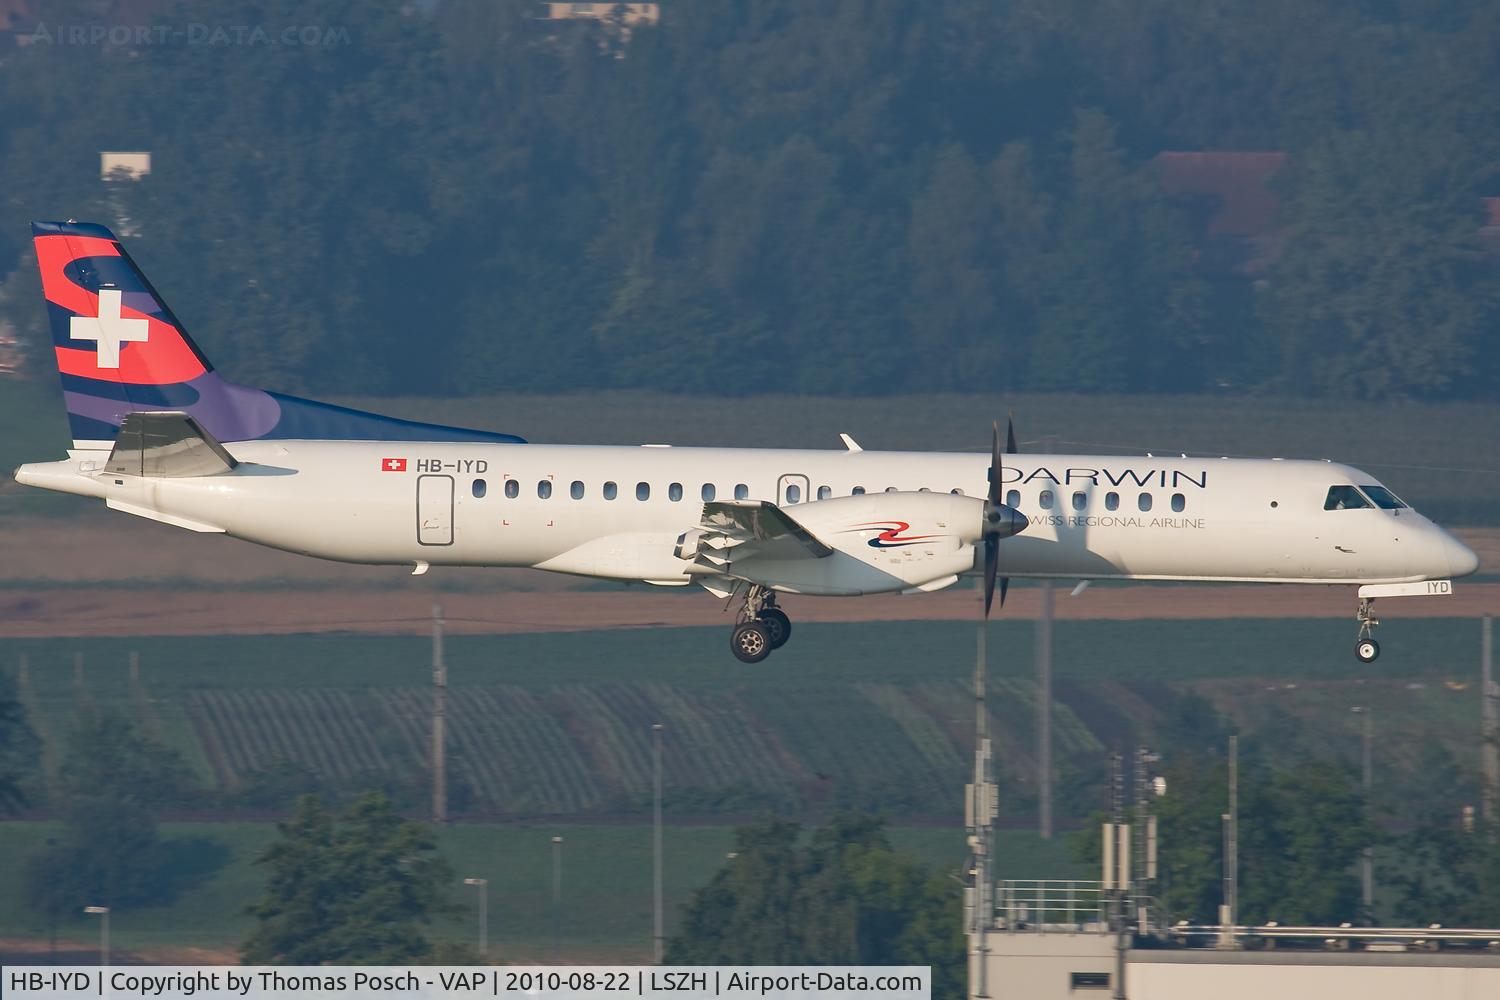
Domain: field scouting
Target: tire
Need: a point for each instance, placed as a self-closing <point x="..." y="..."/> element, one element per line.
<point x="1367" y="650"/>
<point x="750" y="642"/>
<point x="778" y="626"/>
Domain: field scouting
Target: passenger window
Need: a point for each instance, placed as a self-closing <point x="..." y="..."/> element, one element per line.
<point x="512" y="488"/>
<point x="890" y="489"/>
<point x="1178" y="502"/>
<point x="674" y="492"/>
<point x="611" y="491"/>
<point x="793" y="493"/>
<point x="1045" y="500"/>
<point x="643" y="491"/>
<point x="707" y="493"/>
<point x="741" y="491"/>
<point x="824" y="492"/>
<point x="576" y="490"/>
<point x="1080" y="500"/>
<point x="1144" y="501"/>
<point x="956" y="492"/>
<point x="1013" y="498"/>
<point x="1111" y="501"/>
<point x="479" y="489"/>
<point x="1384" y="498"/>
<point x="1344" y="498"/>
<point x="858" y="491"/>
<point x="544" y="488"/>
<point x="923" y="489"/>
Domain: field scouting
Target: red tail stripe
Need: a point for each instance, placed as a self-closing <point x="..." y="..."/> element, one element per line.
<point x="165" y="358"/>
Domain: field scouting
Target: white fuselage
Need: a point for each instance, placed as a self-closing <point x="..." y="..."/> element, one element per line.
<point x="545" y="506"/>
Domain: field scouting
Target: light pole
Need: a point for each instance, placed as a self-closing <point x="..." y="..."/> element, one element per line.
<point x="483" y="885"/>
<point x="103" y="913"/>
<point x="1367" y="860"/>
<point x="656" y="838"/>
<point x="556" y="894"/>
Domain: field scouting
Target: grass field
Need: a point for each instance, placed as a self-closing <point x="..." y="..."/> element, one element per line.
<point x="875" y="715"/>
<point x="606" y="870"/>
<point x="1439" y="456"/>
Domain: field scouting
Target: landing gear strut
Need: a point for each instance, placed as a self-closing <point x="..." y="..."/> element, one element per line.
<point x="760" y="626"/>
<point x="1366" y="648"/>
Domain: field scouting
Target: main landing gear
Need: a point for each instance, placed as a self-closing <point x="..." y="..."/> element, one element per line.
<point x="760" y="626"/>
<point x="1366" y="648"/>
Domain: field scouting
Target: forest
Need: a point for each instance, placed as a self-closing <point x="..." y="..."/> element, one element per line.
<point x="845" y="197"/>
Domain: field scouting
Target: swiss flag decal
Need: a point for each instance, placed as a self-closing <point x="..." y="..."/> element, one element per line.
<point x="393" y="465"/>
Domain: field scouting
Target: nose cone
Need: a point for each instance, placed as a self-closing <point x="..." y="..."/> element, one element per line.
<point x="1018" y="521"/>
<point x="1461" y="559"/>
<point x="1002" y="521"/>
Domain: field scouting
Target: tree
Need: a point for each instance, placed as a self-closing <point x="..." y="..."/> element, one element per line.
<point x="110" y="851"/>
<point x="20" y="750"/>
<point x="1301" y="831"/>
<point x="109" y="755"/>
<point x="843" y="898"/>
<point x="354" y="888"/>
<point x="108" y="854"/>
<point x="1447" y="874"/>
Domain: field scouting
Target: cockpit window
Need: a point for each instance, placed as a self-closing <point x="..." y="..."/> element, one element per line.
<point x="1344" y="498"/>
<point x="1384" y="498"/>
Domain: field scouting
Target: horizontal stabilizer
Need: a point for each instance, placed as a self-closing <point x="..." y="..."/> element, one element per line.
<point x="166" y="445"/>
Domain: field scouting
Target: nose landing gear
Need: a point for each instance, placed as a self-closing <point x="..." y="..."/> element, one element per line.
<point x="1366" y="648"/>
<point x="760" y="626"/>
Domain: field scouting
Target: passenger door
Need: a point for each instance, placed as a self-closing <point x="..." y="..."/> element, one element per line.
<point x="435" y="510"/>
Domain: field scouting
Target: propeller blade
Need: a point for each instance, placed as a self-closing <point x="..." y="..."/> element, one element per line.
<point x="996" y="464"/>
<point x="1010" y="434"/>
<point x="991" y="564"/>
<point x="1004" y="586"/>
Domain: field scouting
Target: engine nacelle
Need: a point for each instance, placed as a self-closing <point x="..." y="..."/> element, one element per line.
<point x="883" y="542"/>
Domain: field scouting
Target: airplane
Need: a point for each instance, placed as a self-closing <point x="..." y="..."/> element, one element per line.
<point x="159" y="433"/>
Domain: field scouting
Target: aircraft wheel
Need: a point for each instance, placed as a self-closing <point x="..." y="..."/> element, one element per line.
<point x="750" y="642"/>
<point x="1367" y="650"/>
<point x="777" y="625"/>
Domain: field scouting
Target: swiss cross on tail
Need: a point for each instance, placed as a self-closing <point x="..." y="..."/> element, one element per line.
<point x="109" y="330"/>
<point x="393" y="465"/>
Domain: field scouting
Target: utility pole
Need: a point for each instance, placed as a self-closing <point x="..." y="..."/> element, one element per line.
<point x="439" y="720"/>
<point x="1144" y="834"/>
<point x="1117" y="867"/>
<point x="1489" y="750"/>
<point x="557" y="843"/>
<point x="659" y="938"/>
<point x="102" y="912"/>
<point x="1044" y="713"/>
<point x="1367" y="857"/>
<point x="483" y="884"/>
<point x="981" y="805"/>
<point x="1231" y="849"/>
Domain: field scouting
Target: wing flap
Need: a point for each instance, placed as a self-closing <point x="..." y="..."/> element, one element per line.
<point x="734" y="532"/>
<point x="762" y="522"/>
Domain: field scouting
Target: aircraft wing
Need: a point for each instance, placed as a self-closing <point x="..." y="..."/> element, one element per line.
<point x="734" y="531"/>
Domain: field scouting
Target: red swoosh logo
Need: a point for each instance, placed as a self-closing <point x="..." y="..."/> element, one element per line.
<point x="891" y="538"/>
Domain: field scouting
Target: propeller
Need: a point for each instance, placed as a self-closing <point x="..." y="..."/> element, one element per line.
<point x="1000" y="520"/>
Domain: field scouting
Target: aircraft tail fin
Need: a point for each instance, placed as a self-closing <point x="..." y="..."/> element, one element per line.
<point x="120" y="350"/>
